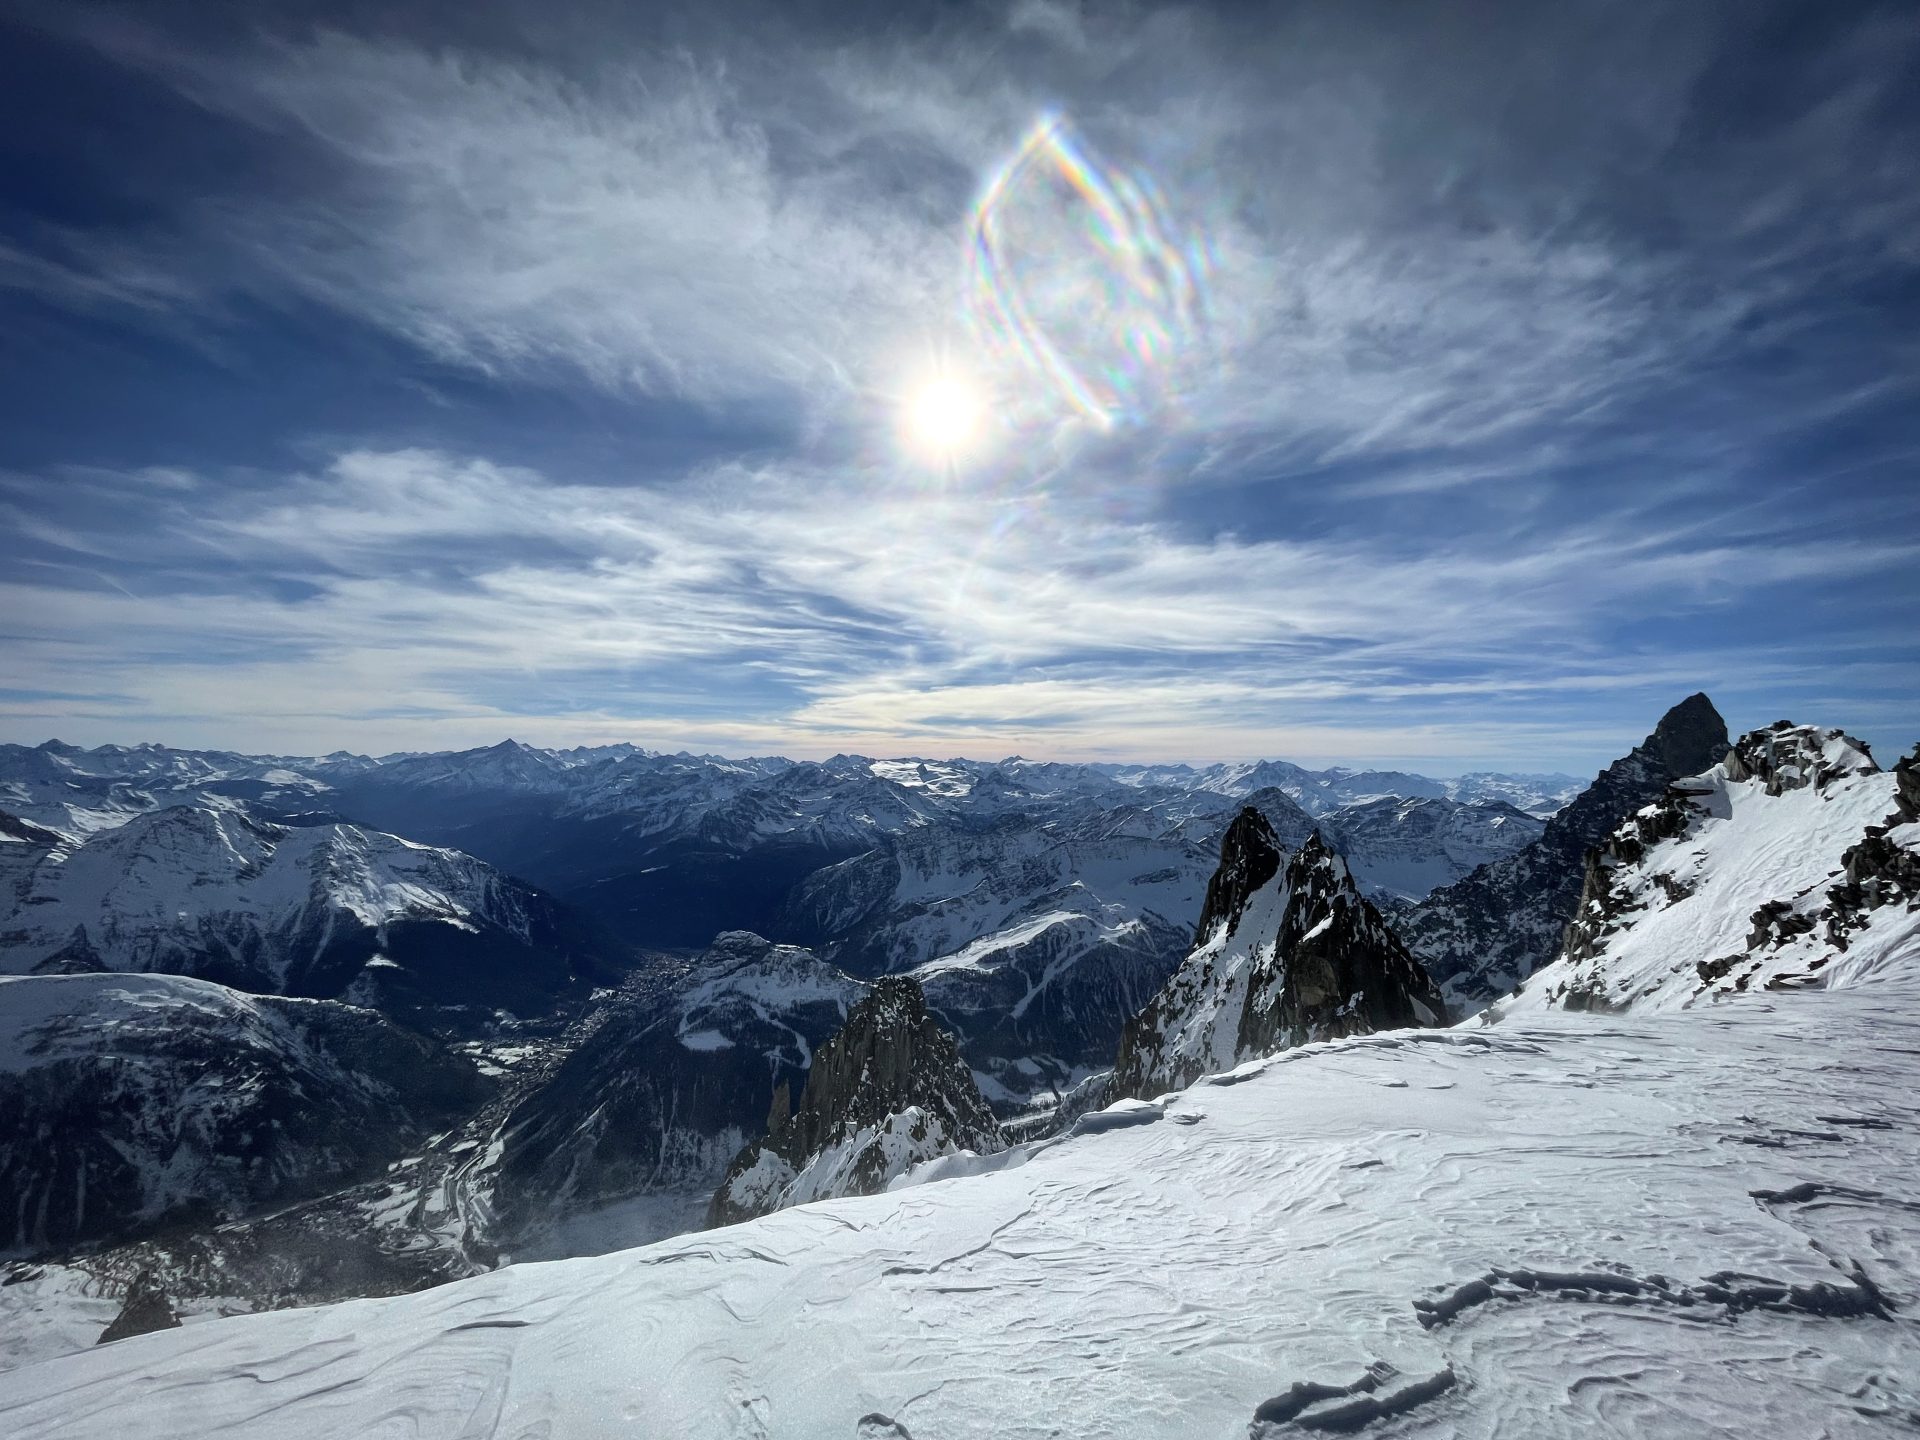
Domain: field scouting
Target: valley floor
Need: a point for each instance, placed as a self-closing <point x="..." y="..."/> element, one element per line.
<point x="1703" y="1222"/>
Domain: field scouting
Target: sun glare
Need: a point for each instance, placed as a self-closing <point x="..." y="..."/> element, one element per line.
<point x="944" y="418"/>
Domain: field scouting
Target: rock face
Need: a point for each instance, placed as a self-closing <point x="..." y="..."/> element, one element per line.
<point x="1288" y="952"/>
<point x="1906" y="776"/>
<point x="1481" y="936"/>
<point x="1792" y="863"/>
<point x="132" y="1101"/>
<point x="1250" y="856"/>
<point x="147" y="1309"/>
<point x="681" y="1073"/>
<point x="888" y="1091"/>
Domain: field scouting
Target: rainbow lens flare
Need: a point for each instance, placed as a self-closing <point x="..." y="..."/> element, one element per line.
<point x="1076" y="272"/>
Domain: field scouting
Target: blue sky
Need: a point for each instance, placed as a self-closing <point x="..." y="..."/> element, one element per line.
<point x="1470" y="382"/>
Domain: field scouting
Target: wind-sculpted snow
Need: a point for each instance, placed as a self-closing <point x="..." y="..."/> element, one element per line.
<point x="1663" y="1225"/>
<point x="1792" y="863"/>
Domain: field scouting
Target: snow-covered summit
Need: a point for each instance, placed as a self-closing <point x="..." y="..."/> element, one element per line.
<point x="322" y="910"/>
<point x="1793" y="862"/>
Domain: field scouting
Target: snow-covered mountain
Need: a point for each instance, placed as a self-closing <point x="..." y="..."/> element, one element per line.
<point x="887" y="1092"/>
<point x="1482" y="935"/>
<point x="1322" y="792"/>
<point x="1565" y="1225"/>
<point x="1034" y="943"/>
<point x="674" y="848"/>
<point x="322" y="910"/>
<point x="77" y="792"/>
<point x="1037" y="942"/>
<point x="129" y="1102"/>
<point x="1794" y="862"/>
<point x="1288" y="952"/>
<point x="1408" y="848"/>
<point x="682" y="1070"/>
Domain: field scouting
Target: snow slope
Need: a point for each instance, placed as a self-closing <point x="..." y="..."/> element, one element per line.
<point x="1740" y="879"/>
<point x="1649" y="1225"/>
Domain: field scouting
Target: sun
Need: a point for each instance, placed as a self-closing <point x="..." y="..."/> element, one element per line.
<point x="944" y="418"/>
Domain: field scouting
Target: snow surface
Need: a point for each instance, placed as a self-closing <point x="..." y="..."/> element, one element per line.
<point x="1557" y="1225"/>
<point x="1742" y="849"/>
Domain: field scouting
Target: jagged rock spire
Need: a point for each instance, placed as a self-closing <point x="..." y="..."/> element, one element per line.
<point x="146" y="1309"/>
<point x="1250" y="856"/>
<point x="888" y="1090"/>
<point x="1286" y="955"/>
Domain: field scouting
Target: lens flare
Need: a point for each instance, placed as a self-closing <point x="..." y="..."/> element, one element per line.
<point x="1077" y="272"/>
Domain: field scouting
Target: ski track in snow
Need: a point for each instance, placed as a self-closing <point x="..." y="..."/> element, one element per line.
<point x="1642" y="1225"/>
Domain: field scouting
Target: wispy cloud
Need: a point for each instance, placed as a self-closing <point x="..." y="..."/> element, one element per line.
<point x="1549" y="371"/>
<point x="1424" y="238"/>
<point x="862" y="612"/>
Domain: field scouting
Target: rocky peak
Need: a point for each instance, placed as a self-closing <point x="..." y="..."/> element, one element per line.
<point x="1776" y="869"/>
<point x="1786" y="756"/>
<point x="146" y="1309"/>
<point x="1485" y="934"/>
<point x="1250" y="856"/>
<point x="888" y="1090"/>
<point x="1346" y="973"/>
<point x="1690" y="737"/>
<point x="1301" y="956"/>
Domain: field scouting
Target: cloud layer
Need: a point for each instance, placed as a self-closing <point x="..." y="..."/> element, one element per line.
<point x="1555" y="364"/>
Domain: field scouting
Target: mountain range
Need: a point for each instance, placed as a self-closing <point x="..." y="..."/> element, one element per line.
<point x="290" y="1056"/>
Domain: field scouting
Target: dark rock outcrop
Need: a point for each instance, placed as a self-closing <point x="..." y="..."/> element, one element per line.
<point x="1485" y="934"/>
<point x="146" y="1309"/>
<point x="1250" y="856"/>
<point x="677" y="1077"/>
<point x="888" y="1090"/>
<point x="1297" y="957"/>
<point x="1906" y="776"/>
<point x="1786" y="756"/>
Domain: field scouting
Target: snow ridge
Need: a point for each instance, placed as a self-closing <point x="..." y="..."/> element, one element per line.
<point x="1794" y="862"/>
